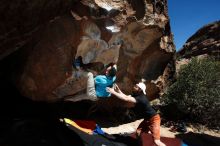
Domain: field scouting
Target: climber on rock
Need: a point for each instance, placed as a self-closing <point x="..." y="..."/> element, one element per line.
<point x="139" y="103"/>
<point x="96" y="86"/>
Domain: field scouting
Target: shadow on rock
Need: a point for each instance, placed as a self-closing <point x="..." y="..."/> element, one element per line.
<point x="194" y="139"/>
<point x="38" y="132"/>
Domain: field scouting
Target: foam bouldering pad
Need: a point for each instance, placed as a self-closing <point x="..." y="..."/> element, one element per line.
<point x="122" y="140"/>
<point x="147" y="140"/>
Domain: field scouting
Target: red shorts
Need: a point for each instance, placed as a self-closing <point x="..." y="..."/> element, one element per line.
<point x="152" y="125"/>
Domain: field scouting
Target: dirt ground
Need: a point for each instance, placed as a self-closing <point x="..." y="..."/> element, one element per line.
<point x="194" y="135"/>
<point x="131" y="127"/>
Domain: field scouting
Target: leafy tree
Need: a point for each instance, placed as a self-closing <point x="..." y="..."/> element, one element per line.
<point x="196" y="91"/>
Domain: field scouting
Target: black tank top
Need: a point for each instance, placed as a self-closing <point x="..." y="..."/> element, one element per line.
<point x="142" y="108"/>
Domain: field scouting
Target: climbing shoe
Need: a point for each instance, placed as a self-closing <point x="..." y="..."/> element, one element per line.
<point x="77" y="63"/>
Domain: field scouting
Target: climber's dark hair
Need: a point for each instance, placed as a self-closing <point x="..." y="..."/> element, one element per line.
<point x="112" y="72"/>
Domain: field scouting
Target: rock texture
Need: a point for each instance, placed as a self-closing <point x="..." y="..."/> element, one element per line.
<point x="21" y="18"/>
<point x="39" y="40"/>
<point x="206" y="41"/>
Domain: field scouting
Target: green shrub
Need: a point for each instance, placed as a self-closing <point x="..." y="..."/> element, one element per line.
<point x="196" y="91"/>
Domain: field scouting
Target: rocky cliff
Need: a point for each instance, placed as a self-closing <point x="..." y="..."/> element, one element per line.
<point x="205" y="41"/>
<point x="39" y="40"/>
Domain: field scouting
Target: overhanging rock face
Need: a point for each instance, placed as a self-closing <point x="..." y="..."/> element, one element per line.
<point x="135" y="34"/>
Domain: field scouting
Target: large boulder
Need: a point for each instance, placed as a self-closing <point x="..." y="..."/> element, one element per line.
<point x="134" y="34"/>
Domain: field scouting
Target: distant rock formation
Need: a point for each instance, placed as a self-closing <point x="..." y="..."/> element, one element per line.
<point x="206" y="41"/>
<point x="39" y="41"/>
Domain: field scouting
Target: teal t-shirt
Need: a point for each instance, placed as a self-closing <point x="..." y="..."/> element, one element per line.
<point x="101" y="82"/>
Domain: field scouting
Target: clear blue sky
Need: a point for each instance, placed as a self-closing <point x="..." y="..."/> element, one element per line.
<point x="187" y="16"/>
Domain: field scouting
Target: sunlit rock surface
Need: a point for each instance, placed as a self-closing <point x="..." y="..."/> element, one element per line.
<point x="41" y="40"/>
<point x="205" y="41"/>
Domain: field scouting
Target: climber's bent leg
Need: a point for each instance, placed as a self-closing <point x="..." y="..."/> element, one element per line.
<point x="90" y="90"/>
